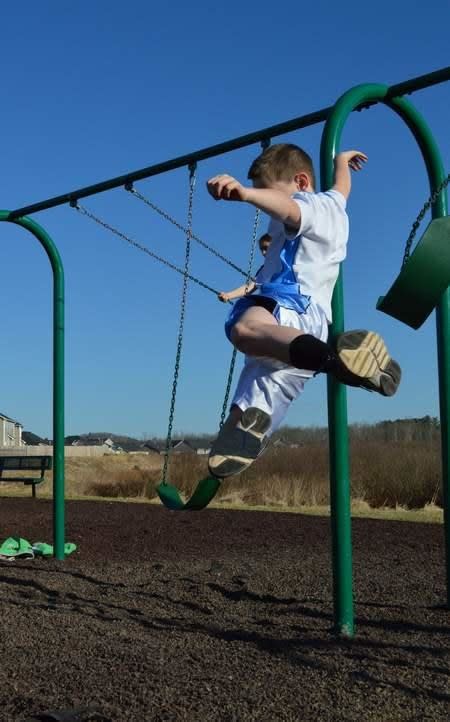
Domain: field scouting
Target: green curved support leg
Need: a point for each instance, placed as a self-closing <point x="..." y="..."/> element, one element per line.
<point x="58" y="374"/>
<point x="205" y="491"/>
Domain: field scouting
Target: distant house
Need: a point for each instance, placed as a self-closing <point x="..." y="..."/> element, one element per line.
<point x="30" y="439"/>
<point x="119" y="445"/>
<point x="10" y="432"/>
<point x="88" y="441"/>
<point x="180" y="446"/>
<point x="71" y="440"/>
<point x="132" y="446"/>
<point x="151" y="448"/>
<point x="106" y="443"/>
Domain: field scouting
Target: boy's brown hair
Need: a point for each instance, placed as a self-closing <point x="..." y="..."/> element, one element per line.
<point x="265" y="240"/>
<point x="281" y="162"/>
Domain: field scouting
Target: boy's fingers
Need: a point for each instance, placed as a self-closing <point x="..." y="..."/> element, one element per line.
<point x="357" y="162"/>
<point x="224" y="186"/>
<point x="219" y="177"/>
<point x="213" y="188"/>
<point x="217" y="185"/>
<point x="230" y="186"/>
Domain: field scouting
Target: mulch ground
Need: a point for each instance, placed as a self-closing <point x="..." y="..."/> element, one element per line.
<point x="219" y="616"/>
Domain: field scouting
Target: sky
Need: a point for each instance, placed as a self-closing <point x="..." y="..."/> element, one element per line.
<point x="92" y="90"/>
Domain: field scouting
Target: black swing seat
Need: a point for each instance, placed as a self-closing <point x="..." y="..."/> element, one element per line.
<point x="423" y="279"/>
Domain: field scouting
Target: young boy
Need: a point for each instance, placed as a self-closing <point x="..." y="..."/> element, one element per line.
<point x="282" y="326"/>
<point x="225" y="296"/>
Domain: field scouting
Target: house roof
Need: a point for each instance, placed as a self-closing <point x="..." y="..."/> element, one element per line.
<point x="90" y="441"/>
<point x="8" y="418"/>
<point x="152" y="447"/>
<point x="130" y="445"/>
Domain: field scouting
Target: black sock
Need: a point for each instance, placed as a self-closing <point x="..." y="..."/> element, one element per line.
<point x="309" y="352"/>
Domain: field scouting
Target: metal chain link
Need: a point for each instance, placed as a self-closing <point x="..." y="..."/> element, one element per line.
<point x="234" y="354"/>
<point x="84" y="211"/>
<point x="129" y="187"/>
<point x="192" y="179"/>
<point x="431" y="200"/>
<point x="186" y="276"/>
<point x="264" y="144"/>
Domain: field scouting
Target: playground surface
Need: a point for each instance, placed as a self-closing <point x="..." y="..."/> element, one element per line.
<point x="219" y="616"/>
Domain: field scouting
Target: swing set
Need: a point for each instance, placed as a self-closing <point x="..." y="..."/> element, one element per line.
<point x="421" y="286"/>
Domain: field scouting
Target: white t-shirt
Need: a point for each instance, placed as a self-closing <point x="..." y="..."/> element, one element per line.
<point x="322" y="241"/>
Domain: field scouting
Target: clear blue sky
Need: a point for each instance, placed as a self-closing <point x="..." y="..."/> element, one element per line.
<point x="91" y="90"/>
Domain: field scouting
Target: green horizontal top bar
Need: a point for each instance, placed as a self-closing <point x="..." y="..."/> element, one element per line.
<point x="409" y="86"/>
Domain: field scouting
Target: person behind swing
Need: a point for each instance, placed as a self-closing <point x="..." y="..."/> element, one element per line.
<point x="282" y="326"/>
<point x="247" y="288"/>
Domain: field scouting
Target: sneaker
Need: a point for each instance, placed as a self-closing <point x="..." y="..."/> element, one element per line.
<point x="237" y="447"/>
<point x="366" y="362"/>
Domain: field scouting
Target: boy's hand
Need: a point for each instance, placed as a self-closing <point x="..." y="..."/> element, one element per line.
<point x="354" y="158"/>
<point x="226" y="188"/>
<point x="223" y="296"/>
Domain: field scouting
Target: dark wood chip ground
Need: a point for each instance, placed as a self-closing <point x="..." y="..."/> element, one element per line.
<point x="219" y="616"/>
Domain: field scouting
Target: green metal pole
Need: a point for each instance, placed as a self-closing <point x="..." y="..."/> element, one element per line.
<point x="436" y="174"/>
<point x="58" y="376"/>
<point x="409" y="86"/>
<point x="339" y="447"/>
<point x="443" y="346"/>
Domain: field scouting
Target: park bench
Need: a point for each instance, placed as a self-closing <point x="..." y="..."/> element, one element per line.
<point x="25" y="464"/>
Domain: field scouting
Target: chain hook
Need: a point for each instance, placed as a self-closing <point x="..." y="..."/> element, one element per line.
<point x="428" y="204"/>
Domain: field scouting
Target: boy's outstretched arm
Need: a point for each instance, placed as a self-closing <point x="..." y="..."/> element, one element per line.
<point x="275" y="203"/>
<point x="349" y="159"/>
<point x="240" y="292"/>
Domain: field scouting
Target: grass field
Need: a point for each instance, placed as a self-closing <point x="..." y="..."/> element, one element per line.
<point x="389" y="480"/>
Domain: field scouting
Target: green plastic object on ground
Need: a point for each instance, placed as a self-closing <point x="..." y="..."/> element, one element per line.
<point x="423" y="279"/>
<point x="41" y="549"/>
<point x="15" y="547"/>
<point x="205" y="491"/>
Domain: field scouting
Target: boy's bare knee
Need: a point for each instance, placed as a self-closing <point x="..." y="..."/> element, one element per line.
<point x="240" y="334"/>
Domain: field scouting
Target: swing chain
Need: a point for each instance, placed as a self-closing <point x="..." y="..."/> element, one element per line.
<point x="129" y="187"/>
<point x="234" y="354"/>
<point x="265" y="143"/>
<point x="84" y="211"/>
<point x="192" y="179"/>
<point x="431" y="200"/>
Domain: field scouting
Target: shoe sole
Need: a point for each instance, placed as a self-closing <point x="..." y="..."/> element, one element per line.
<point x="237" y="447"/>
<point x="365" y="354"/>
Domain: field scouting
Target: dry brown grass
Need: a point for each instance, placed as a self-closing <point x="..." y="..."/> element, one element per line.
<point x="114" y="475"/>
<point x="397" y="474"/>
<point x="388" y="475"/>
<point x="384" y="475"/>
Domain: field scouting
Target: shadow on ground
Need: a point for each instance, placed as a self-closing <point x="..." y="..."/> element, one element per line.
<point x="219" y="616"/>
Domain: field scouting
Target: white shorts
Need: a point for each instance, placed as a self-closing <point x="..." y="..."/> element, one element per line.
<point x="271" y="385"/>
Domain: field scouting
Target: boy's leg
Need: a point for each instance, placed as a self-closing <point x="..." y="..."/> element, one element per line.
<point x="364" y="354"/>
<point x="258" y="333"/>
<point x="359" y="358"/>
<point x="261" y="401"/>
<point x="264" y="393"/>
<point x="242" y="438"/>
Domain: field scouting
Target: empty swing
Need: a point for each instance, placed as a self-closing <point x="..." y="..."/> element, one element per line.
<point x="425" y="273"/>
<point x="206" y="488"/>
